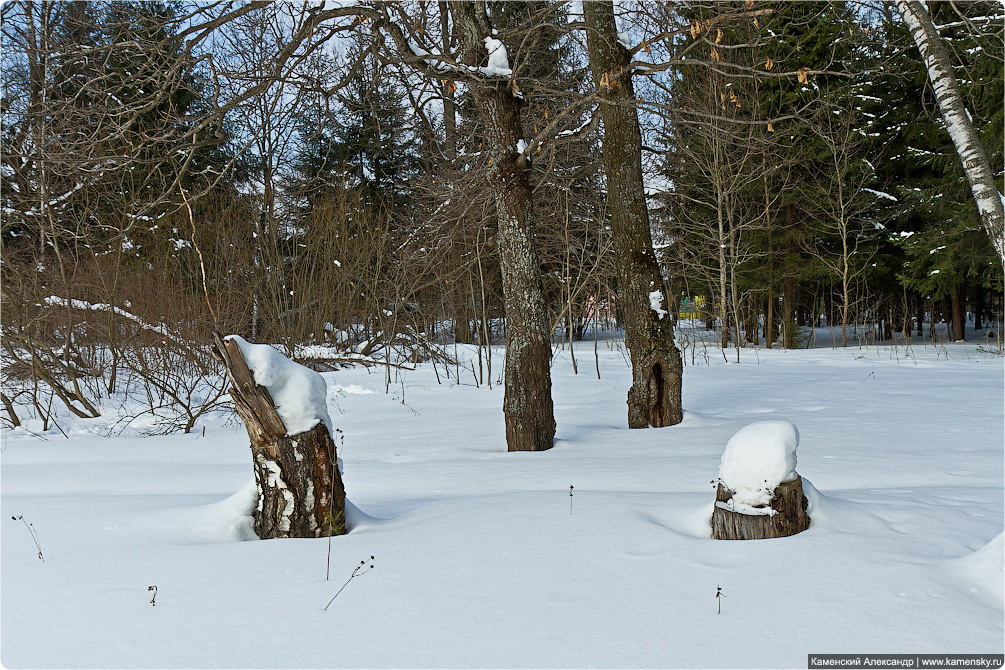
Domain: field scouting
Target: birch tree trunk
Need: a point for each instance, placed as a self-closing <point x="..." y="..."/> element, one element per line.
<point x="528" y="406"/>
<point x="954" y="114"/>
<point x="654" y="398"/>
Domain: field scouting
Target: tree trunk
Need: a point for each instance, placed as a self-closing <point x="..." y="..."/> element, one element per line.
<point x="723" y="297"/>
<point x="654" y="398"/>
<point x="788" y="312"/>
<point x="752" y="322"/>
<point x="462" y="326"/>
<point x="979" y="308"/>
<point x="528" y="406"/>
<point x="788" y="501"/>
<point x="300" y="490"/>
<point x="954" y="114"/>
<point x="449" y="115"/>
<point x="769" y="315"/>
<point x="959" y="299"/>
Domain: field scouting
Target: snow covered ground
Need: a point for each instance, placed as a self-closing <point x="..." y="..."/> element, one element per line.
<point x="478" y="561"/>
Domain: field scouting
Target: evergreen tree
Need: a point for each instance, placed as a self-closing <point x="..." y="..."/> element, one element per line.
<point x="365" y="143"/>
<point x="942" y="255"/>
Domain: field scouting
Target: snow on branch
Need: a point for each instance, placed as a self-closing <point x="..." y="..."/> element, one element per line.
<point x="56" y="301"/>
<point x="880" y="194"/>
<point x="498" y="59"/>
<point x="585" y="126"/>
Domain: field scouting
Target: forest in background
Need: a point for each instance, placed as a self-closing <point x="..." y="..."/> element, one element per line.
<point x="332" y="180"/>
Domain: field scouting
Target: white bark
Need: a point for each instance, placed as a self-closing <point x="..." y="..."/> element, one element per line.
<point x="975" y="161"/>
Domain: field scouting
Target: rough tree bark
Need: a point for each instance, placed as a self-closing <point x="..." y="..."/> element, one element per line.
<point x="528" y="406"/>
<point x="954" y="113"/>
<point x="788" y="501"/>
<point x="300" y="490"/>
<point x="654" y="398"/>
<point x="958" y="301"/>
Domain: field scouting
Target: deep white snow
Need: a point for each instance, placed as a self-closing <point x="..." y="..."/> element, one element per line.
<point x="479" y="562"/>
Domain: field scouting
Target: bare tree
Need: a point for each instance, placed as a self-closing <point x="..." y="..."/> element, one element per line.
<point x="843" y="220"/>
<point x="654" y="398"/>
<point x="112" y="136"/>
<point x="482" y="62"/>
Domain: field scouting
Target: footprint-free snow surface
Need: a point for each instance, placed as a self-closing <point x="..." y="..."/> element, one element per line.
<point x="483" y="559"/>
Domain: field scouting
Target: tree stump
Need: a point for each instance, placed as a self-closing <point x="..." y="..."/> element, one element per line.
<point x="790" y="517"/>
<point x="300" y="490"/>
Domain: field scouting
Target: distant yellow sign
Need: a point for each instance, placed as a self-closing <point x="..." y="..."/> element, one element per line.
<point x="690" y="308"/>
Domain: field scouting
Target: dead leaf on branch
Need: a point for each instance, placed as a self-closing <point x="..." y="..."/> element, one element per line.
<point x="695" y="30"/>
<point x="718" y="35"/>
<point x="770" y="64"/>
<point x="803" y="75"/>
<point x="715" y="56"/>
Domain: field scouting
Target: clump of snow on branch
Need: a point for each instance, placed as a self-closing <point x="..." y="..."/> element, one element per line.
<point x="498" y="59"/>
<point x="498" y="65"/>
<point x="758" y="458"/>
<point x="300" y="394"/>
<point x="656" y="302"/>
<point x="880" y="194"/>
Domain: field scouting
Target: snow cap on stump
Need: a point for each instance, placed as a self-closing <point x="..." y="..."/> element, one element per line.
<point x="299" y="393"/>
<point x="758" y="458"/>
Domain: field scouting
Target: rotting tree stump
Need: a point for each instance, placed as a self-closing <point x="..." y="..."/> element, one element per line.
<point x="788" y="502"/>
<point x="300" y="490"/>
